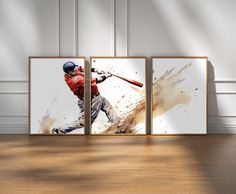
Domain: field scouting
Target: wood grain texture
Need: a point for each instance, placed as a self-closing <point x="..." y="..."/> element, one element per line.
<point x="120" y="165"/>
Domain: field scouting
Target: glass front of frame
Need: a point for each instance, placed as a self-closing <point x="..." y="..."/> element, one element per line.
<point x="118" y="100"/>
<point x="179" y="99"/>
<point x="56" y="96"/>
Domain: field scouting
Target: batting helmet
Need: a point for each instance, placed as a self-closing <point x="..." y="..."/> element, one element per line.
<point x="69" y="66"/>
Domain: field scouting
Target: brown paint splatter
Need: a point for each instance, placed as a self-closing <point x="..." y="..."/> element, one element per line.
<point x="46" y="124"/>
<point x="166" y="95"/>
<point x="129" y="120"/>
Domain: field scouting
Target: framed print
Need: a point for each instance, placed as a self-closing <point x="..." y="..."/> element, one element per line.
<point x="118" y="99"/>
<point x="56" y="90"/>
<point x="179" y="95"/>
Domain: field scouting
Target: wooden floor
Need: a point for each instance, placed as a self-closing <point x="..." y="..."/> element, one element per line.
<point x="118" y="165"/>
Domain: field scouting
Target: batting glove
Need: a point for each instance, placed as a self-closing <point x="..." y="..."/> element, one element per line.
<point x="108" y="74"/>
<point x="99" y="72"/>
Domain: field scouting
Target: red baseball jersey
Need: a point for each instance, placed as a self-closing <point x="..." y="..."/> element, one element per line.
<point x="76" y="84"/>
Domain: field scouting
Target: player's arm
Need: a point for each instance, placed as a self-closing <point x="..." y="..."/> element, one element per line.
<point x="98" y="71"/>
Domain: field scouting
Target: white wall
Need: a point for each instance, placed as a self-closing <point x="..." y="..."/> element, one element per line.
<point x="117" y="27"/>
<point x="27" y="27"/>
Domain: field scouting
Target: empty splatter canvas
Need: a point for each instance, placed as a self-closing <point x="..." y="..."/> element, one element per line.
<point x="54" y="107"/>
<point x="118" y="95"/>
<point x="179" y="100"/>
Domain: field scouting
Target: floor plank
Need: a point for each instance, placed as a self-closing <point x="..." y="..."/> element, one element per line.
<point x="120" y="165"/>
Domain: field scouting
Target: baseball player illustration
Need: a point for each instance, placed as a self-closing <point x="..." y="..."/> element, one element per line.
<point x="125" y="91"/>
<point x="74" y="78"/>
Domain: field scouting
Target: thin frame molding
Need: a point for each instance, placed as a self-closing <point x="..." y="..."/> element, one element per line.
<point x="119" y="57"/>
<point x="151" y="117"/>
<point x="29" y="91"/>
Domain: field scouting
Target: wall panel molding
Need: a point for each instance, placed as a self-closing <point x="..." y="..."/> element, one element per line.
<point x="14" y="124"/>
<point x="13" y="92"/>
<point x="68" y="27"/>
<point x="96" y="27"/>
<point x="113" y="27"/>
<point x="220" y="124"/>
<point x="14" y="129"/>
<point x="76" y="23"/>
<point x="121" y="20"/>
<point x="11" y="116"/>
<point x="13" y="87"/>
<point x="38" y="34"/>
<point x="73" y="41"/>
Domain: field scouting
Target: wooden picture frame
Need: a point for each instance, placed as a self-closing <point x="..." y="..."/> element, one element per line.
<point x="165" y="69"/>
<point x="65" y="58"/>
<point x="144" y="80"/>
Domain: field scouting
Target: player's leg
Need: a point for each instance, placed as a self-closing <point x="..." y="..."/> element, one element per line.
<point x="111" y="115"/>
<point x="69" y="127"/>
<point x="109" y="110"/>
<point x="79" y="123"/>
<point x="96" y="106"/>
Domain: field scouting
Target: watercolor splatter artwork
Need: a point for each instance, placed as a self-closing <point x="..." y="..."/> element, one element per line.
<point x="53" y="106"/>
<point x="179" y="95"/>
<point x="118" y="103"/>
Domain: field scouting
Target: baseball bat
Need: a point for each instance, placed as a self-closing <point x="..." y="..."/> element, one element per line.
<point x="136" y="83"/>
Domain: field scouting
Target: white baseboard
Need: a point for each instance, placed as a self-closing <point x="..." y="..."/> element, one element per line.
<point x="12" y="129"/>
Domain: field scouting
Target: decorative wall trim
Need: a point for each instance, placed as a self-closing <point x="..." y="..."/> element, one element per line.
<point x="13" y="124"/>
<point x="223" y="92"/>
<point x="13" y="116"/>
<point x="13" y="87"/>
<point x="223" y="81"/>
<point x="14" y="129"/>
<point x="113" y="28"/>
<point x="76" y="24"/>
<point x="224" y="116"/>
<point x="58" y="27"/>
<point x="17" y="124"/>
<point x="14" y="81"/>
<point x="225" y="129"/>
<point x="68" y="27"/>
<point x="121" y="27"/>
<point x="13" y="92"/>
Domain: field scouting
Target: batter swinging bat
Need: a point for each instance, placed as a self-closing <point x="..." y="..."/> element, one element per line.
<point x="136" y="83"/>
